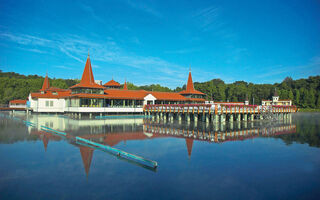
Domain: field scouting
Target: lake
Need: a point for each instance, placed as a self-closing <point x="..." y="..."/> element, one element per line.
<point x="245" y="160"/>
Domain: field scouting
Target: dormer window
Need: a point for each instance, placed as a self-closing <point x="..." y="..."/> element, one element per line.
<point x="54" y="93"/>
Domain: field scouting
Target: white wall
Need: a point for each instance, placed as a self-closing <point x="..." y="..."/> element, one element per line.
<point x="18" y="106"/>
<point x="149" y="97"/>
<point x="40" y="105"/>
<point x="103" y="109"/>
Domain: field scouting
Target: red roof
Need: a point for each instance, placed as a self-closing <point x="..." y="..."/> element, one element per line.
<point x="195" y="99"/>
<point x="136" y="94"/>
<point x="126" y="94"/>
<point x="168" y="96"/>
<point x="86" y="95"/>
<point x="190" y="83"/>
<point x="45" y="84"/>
<point x="54" y="89"/>
<point x="51" y="95"/>
<point x="125" y="85"/>
<point x="87" y="80"/>
<point x="190" y="89"/>
<point x="112" y="83"/>
<point x="18" y="101"/>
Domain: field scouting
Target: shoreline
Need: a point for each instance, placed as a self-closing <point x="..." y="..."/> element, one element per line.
<point x="309" y="110"/>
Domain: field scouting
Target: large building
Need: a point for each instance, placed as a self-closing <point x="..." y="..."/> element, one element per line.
<point x="90" y="97"/>
<point x="276" y="101"/>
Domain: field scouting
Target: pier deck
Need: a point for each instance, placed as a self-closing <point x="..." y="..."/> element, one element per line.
<point x="217" y="113"/>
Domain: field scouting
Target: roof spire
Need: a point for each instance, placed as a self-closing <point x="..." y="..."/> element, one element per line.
<point x="87" y="79"/>
<point x="125" y="85"/>
<point x="189" y="68"/>
<point x="46" y="84"/>
<point x="87" y="76"/>
<point x="190" y="82"/>
<point x="88" y="53"/>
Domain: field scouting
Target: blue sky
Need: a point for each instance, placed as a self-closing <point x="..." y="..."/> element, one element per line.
<point x="149" y="42"/>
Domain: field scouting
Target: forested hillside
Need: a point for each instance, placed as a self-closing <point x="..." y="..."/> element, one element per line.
<point x="305" y="93"/>
<point x="17" y="86"/>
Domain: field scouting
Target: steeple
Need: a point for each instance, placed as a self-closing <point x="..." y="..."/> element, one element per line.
<point x="87" y="79"/>
<point x="46" y="84"/>
<point x="190" y="88"/>
<point x="190" y="83"/>
<point x="125" y="85"/>
<point x="87" y="76"/>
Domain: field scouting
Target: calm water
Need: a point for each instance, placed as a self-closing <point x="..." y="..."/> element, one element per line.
<point x="261" y="160"/>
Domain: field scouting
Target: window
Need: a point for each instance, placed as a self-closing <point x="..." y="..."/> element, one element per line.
<point x="51" y="103"/>
<point x="47" y="103"/>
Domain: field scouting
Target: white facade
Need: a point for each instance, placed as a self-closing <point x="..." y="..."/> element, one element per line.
<point x="104" y="109"/>
<point x="276" y="101"/>
<point x="47" y="105"/>
<point x="149" y="99"/>
<point x="51" y="105"/>
<point x="17" y="106"/>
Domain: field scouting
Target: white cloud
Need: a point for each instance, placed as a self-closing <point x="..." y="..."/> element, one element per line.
<point x="143" y="6"/>
<point x="109" y="52"/>
<point x="183" y="51"/>
<point x="207" y="18"/>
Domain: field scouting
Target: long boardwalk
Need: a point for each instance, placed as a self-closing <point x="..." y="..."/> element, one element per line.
<point x="217" y="113"/>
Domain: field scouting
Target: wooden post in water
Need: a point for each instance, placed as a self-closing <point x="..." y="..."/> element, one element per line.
<point x="195" y="118"/>
<point x="238" y="117"/>
<point x="216" y="118"/>
<point x="207" y="117"/>
<point x="231" y="118"/>
<point x="252" y="117"/>
<point x="245" y="117"/>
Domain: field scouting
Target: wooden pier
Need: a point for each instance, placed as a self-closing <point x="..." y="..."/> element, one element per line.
<point x="217" y="113"/>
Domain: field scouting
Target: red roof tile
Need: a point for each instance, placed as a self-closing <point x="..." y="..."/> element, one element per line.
<point x="125" y="85"/>
<point x="87" y="80"/>
<point x="112" y="83"/>
<point x="190" y="89"/>
<point x="136" y="94"/>
<point x="126" y="94"/>
<point x="18" y="101"/>
<point x="168" y="96"/>
<point x="195" y="99"/>
<point x="45" y="84"/>
<point x="51" y="95"/>
<point x="86" y="95"/>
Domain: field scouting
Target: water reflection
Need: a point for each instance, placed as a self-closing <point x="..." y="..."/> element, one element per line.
<point x="112" y="132"/>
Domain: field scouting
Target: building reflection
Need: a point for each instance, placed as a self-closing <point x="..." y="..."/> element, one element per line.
<point x="86" y="155"/>
<point x="114" y="132"/>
